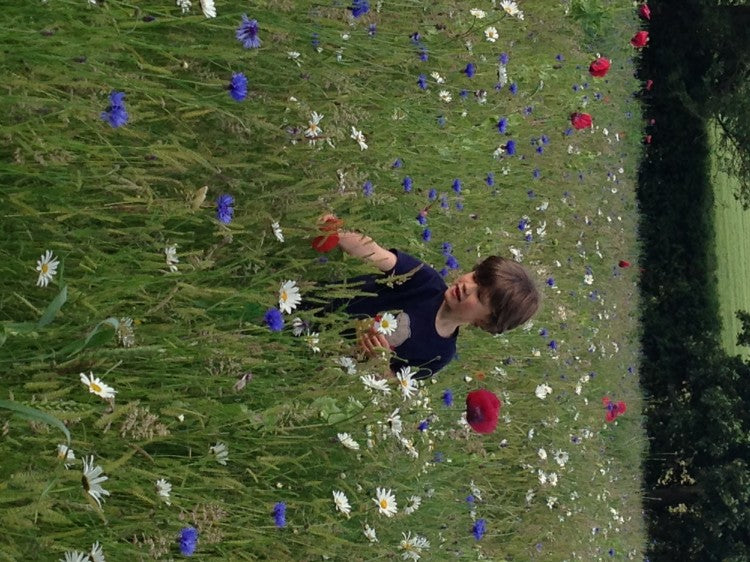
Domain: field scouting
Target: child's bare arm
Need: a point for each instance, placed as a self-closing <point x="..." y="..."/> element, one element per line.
<point x="364" y="247"/>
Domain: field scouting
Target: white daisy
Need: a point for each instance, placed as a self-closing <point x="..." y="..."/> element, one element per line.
<point x="348" y="364"/>
<point x="386" y="502"/>
<point x="475" y="491"/>
<point x="491" y="34"/>
<point x="510" y="7"/>
<point x="445" y="96"/>
<point x="477" y="13"/>
<point x="373" y="383"/>
<point x="209" y="9"/>
<point x="369" y="532"/>
<point x="277" y="231"/>
<point x="92" y="480"/>
<point x="360" y="138"/>
<point x="46" y="265"/>
<point x="97" y="387"/>
<point x="347" y="441"/>
<point x="588" y="279"/>
<point x="542" y="454"/>
<point x="75" y="556"/>
<point x="184" y="5"/>
<point x="342" y="502"/>
<point x="414" y="503"/>
<point x="542" y="391"/>
<point x="289" y="296"/>
<point x="97" y="554"/>
<point x="408" y="384"/>
<point x="313" y="340"/>
<point x="65" y="454"/>
<point x="313" y="130"/>
<point x="561" y="458"/>
<point x="413" y="546"/>
<point x="552" y="477"/>
<point x="171" y="257"/>
<point x="439" y="79"/>
<point x="294" y="56"/>
<point x="385" y="323"/>
<point x="394" y="422"/>
<point x="299" y="326"/>
<point x="163" y="489"/>
<point x="221" y="452"/>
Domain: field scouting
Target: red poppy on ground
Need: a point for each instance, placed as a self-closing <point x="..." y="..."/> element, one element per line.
<point x="482" y="409"/>
<point x="599" y="67"/>
<point x="580" y="120"/>
<point x="623" y="263"/>
<point x="644" y="11"/>
<point x="327" y="242"/>
<point x="649" y="85"/>
<point x="639" y="39"/>
<point x="614" y="409"/>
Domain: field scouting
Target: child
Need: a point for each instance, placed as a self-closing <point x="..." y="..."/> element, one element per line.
<point x="496" y="296"/>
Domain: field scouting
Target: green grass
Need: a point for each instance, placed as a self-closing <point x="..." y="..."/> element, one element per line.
<point x="107" y="202"/>
<point x="732" y="256"/>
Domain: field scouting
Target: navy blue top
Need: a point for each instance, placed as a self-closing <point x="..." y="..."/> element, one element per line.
<point x="415" y="303"/>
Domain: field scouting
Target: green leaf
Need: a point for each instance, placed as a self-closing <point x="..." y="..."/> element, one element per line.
<point x="54" y="307"/>
<point x="94" y="338"/>
<point x="34" y="414"/>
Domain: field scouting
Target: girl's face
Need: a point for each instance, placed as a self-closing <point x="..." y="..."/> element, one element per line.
<point x="463" y="302"/>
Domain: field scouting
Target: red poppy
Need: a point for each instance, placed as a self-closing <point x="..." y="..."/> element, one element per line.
<point x="599" y="67"/>
<point x="327" y="242"/>
<point x="482" y="409"/>
<point x="644" y="11"/>
<point x="623" y="263"/>
<point x="647" y="140"/>
<point x="614" y="409"/>
<point x="649" y="85"/>
<point x="639" y="39"/>
<point x="580" y="120"/>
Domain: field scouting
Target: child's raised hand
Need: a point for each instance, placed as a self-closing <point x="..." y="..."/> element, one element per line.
<point x="373" y="343"/>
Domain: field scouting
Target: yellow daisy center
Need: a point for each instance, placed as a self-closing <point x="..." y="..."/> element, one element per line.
<point x="284" y="296"/>
<point x="45" y="268"/>
<point x="383" y="504"/>
<point x="95" y="387"/>
<point x="404" y="382"/>
<point x="385" y="324"/>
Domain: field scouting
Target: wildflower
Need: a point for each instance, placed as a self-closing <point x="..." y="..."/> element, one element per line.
<point x="422" y="82"/>
<point x="386" y="502"/>
<point x="184" y="5"/>
<point x="502" y="125"/>
<point x="289" y="296"/>
<point x="477" y="13"/>
<point x="92" y="480"/>
<point x="408" y="384"/>
<point x="510" y="7"/>
<point x="125" y="333"/>
<point x="369" y="532"/>
<point x="96" y="386"/>
<point x="75" y="556"/>
<point x="360" y="138"/>
<point x="491" y="34"/>
<point x="65" y="454"/>
<point x="163" y="488"/>
<point x="97" y="555"/>
<point x="439" y="79"/>
<point x="407" y="183"/>
<point x="423" y="425"/>
<point x="385" y="323"/>
<point x="470" y="70"/>
<point x="561" y="457"/>
<point x="188" y="540"/>
<point x="242" y="381"/>
<point x="373" y="383"/>
<point x="644" y="11"/>
<point x="238" y="86"/>
<point x="274" y="320"/>
<point x="247" y="33"/>
<point x="448" y="397"/>
<point x="457" y="185"/>
<point x="224" y="209"/>
<point x="209" y="9"/>
<point x="423" y="54"/>
<point x="415" y="38"/>
<point x="170" y="253"/>
<point x="445" y="96"/>
<point x="479" y="528"/>
<point x="413" y="546"/>
<point x="394" y="423"/>
<point x="359" y="8"/>
<point x="346" y="440"/>
<point x="46" y="265"/>
<point x="639" y="39"/>
<point x="371" y="30"/>
<point x="482" y="408"/>
<point x="220" y="451"/>
<point x="116" y="114"/>
<point x="542" y="391"/>
<point x="426" y="235"/>
<point x="342" y="502"/>
<point x="614" y="409"/>
<point x="599" y="67"/>
<point x="623" y="263"/>
<point x="348" y="364"/>
<point x="414" y="503"/>
<point x="313" y="130"/>
<point x="452" y="262"/>
<point x="279" y="514"/>
<point x="367" y="189"/>
<point x="397" y="163"/>
<point x="510" y="147"/>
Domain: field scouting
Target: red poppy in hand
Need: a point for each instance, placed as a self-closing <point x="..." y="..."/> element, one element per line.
<point x="482" y="409"/>
<point x="644" y="11"/>
<point x="327" y="242"/>
<point x="614" y="409"/>
<point x="639" y="39"/>
<point x="599" y="67"/>
<point x="580" y="120"/>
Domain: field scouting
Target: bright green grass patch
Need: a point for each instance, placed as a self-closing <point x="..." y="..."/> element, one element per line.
<point x="732" y="226"/>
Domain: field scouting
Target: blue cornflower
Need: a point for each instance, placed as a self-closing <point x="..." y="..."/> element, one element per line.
<point x="432" y="194"/>
<point x="528" y="110"/>
<point x="551" y="281"/>
<point x="457" y="185"/>
<point x="247" y="33"/>
<point x="513" y="88"/>
<point x="371" y="30"/>
<point x="470" y="499"/>
<point x="490" y="179"/>
<point x="315" y="41"/>
<point x="479" y="529"/>
<point x="397" y="163"/>
<point x="423" y="55"/>
<point x="367" y="188"/>
<point x="470" y="70"/>
<point x="522" y="224"/>
<point x="528" y="237"/>
<point x="421" y="219"/>
<point x="575" y="87"/>
<point x="279" y="514"/>
<point x="568" y="131"/>
<point x="559" y="58"/>
<point x="545" y="139"/>
<point x="441" y="120"/>
<point x="116" y="115"/>
<point x="447" y="248"/>
<point x="188" y="540"/>
<point x="537" y="173"/>
<point x="407" y="183"/>
<point x="543" y="332"/>
<point x="448" y="397"/>
<point x="444" y="201"/>
<point x="552" y="345"/>
<point x="464" y="94"/>
<point x="224" y="209"/>
<point x="611" y="551"/>
<point x="539" y="149"/>
<point x="502" y="125"/>
<point x="238" y="86"/>
<point x="460" y="205"/>
<point x="422" y="81"/>
<point x="503" y="58"/>
<point x="598" y="96"/>
<point x="451" y="262"/>
<point x="274" y="320"/>
<point x="423" y="425"/>
<point x="510" y="147"/>
<point x="415" y="37"/>
<point x="359" y="8"/>
<point x="530" y="194"/>
<point x="443" y="273"/>
<point x="426" y="235"/>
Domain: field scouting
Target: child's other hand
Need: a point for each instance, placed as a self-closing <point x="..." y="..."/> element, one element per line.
<point x="373" y="343"/>
<point x="329" y="223"/>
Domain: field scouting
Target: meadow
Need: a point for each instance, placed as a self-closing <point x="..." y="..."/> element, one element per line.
<point x="126" y="133"/>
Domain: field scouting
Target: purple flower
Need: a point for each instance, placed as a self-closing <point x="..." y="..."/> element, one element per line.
<point x="371" y="30"/>
<point x="451" y="262"/>
<point x="279" y="514"/>
<point x="543" y="332"/>
<point x="421" y="219"/>
<point x="423" y="425"/>
<point x="502" y="125"/>
<point x="490" y="179"/>
<point x="423" y="56"/>
<point x="510" y="147"/>
<point x="426" y="235"/>
<point x="407" y="183"/>
<point x="503" y="58"/>
<point x="224" y="209"/>
<point x="238" y="86"/>
<point x="545" y="139"/>
<point x="397" y="163"/>
<point x="470" y="499"/>
<point x="441" y="120"/>
<point x="443" y="273"/>
<point x="448" y="397"/>
<point x="457" y="185"/>
<point x="528" y="110"/>
<point x="522" y="224"/>
<point x="415" y="37"/>
<point x="274" y="320"/>
<point x="479" y="529"/>
<point x="359" y="8"/>
<point x="464" y="94"/>
<point x="539" y="149"/>
<point x="537" y="173"/>
<point x="551" y="281"/>
<point x="447" y="248"/>
<point x="444" y="201"/>
<point x="460" y="205"/>
<point x="470" y="70"/>
<point x="559" y="58"/>
<point x="513" y="88"/>
<point x="115" y="114"/>
<point x="432" y="194"/>
<point x="552" y="345"/>
<point x="247" y="33"/>
<point x="188" y="540"/>
<point x="367" y="188"/>
<point x="422" y="81"/>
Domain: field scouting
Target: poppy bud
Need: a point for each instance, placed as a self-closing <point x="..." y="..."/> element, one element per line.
<point x="482" y="409"/>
